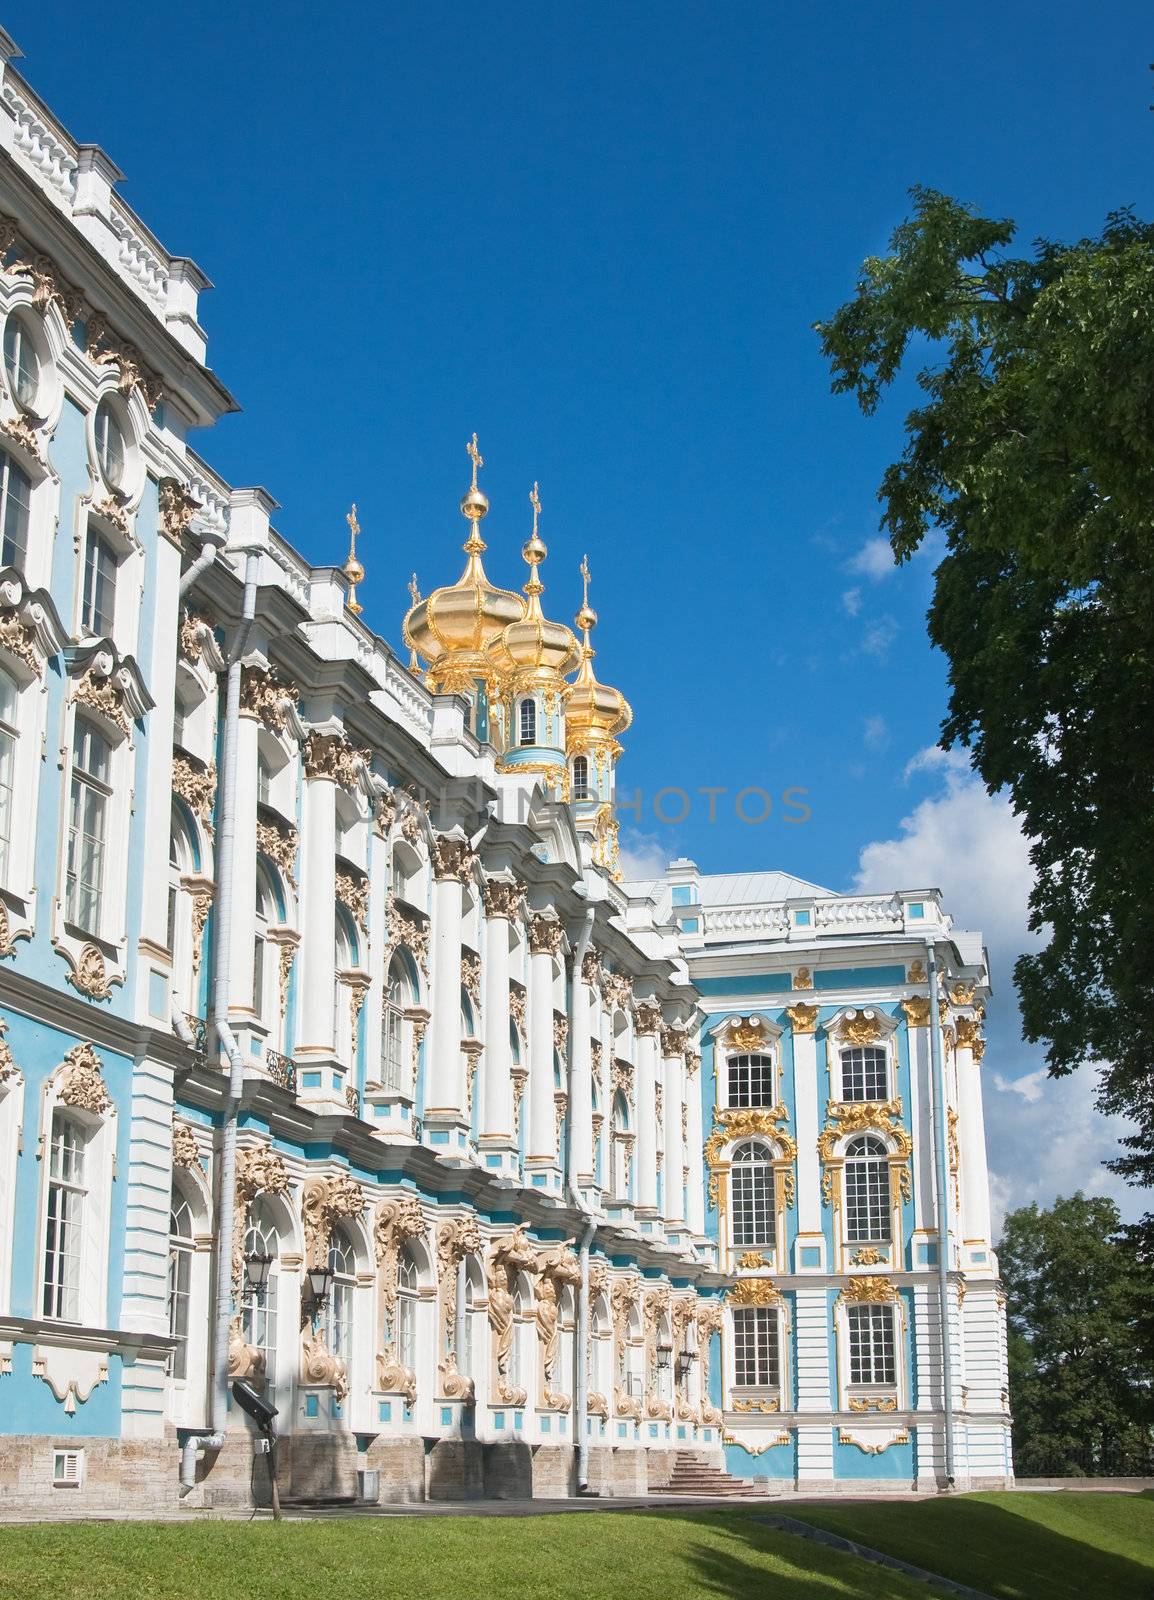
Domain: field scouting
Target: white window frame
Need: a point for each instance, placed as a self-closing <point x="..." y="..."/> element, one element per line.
<point x="743" y="1064"/>
<point x="11" y="1128"/>
<point x="16" y="496"/>
<point x="760" y="1169"/>
<point x="100" y="569"/>
<point x="878" y="1195"/>
<point x="768" y="1318"/>
<point x="99" y="789"/>
<point x="19" y="337"/>
<point x="898" y="1390"/>
<point x="527" y="721"/>
<point x="846" y="1067"/>
<point x="99" y="1172"/>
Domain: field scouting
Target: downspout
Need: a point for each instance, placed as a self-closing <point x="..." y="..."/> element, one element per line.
<point x="942" y="1184"/>
<point x="582" y="1385"/>
<point x="222" y="954"/>
<point x="211" y="543"/>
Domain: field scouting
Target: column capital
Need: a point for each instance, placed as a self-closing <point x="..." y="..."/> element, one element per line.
<point x="546" y="934"/>
<point x="452" y="858"/>
<point x="647" y="1018"/>
<point x="504" y="897"/>
<point x="333" y="756"/>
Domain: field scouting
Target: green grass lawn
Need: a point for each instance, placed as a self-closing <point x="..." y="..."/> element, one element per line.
<point x="1063" y="1545"/>
<point x="579" y="1556"/>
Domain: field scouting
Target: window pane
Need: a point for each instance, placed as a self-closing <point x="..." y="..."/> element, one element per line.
<point x="863" y="1075"/>
<point x="752" y="1185"/>
<point x="751" y="1081"/>
<point x="867" y="1204"/>
<point x="872" y="1351"/>
<point x="21" y="363"/>
<point x="99" y="599"/>
<point x="755" y="1347"/>
<point x="15" y="504"/>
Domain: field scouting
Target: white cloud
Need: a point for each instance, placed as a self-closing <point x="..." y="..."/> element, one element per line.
<point x="1044" y="1135"/>
<point x="875" y="560"/>
<point x="875" y="733"/>
<point x="851" y="602"/>
<point x="879" y="636"/>
<point x="642" y="855"/>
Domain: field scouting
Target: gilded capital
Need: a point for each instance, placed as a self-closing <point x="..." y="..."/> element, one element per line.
<point x="802" y="1018"/>
<point x="546" y="934"/>
<point x="917" y="1010"/>
<point x="503" y="898"/>
<point x="452" y="858"/>
<point x="647" y="1019"/>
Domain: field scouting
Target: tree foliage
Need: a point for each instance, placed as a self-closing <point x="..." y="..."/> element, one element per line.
<point x="1032" y="450"/>
<point x="1080" y="1377"/>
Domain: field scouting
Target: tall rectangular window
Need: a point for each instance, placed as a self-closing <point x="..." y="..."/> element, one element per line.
<point x="863" y="1075"/>
<point x="98" y="602"/>
<point x="756" y="1358"/>
<point x="15" y="509"/>
<point x="872" y="1351"/>
<point x="87" y="825"/>
<point x="180" y="1248"/>
<point x="64" y="1227"/>
<point x="8" y="737"/>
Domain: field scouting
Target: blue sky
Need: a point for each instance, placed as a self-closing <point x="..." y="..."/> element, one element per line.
<point x="599" y="235"/>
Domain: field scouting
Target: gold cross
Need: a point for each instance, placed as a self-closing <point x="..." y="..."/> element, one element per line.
<point x="475" y="456"/>
<point x="414" y="592"/>
<point x="354" y="529"/>
<point x="584" y="570"/>
<point x="535" y="502"/>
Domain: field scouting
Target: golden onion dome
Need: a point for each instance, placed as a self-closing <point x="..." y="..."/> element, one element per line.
<point x="534" y="651"/>
<point x="452" y="627"/>
<point x="593" y="710"/>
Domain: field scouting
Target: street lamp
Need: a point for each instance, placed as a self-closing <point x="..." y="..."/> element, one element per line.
<point x="664" y="1354"/>
<point x="685" y="1360"/>
<point x="256" y="1270"/>
<point x="320" y="1279"/>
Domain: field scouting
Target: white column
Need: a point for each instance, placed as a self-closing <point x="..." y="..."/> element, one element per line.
<point x="695" y="1146"/>
<point x="581" y="1018"/>
<point x="379" y="951"/>
<point x="809" y="1215"/>
<point x="244" y="864"/>
<point x="444" y="1077"/>
<point x="316" y="1028"/>
<point x="502" y="900"/>
<point x="972" y="1145"/>
<point x="545" y="938"/>
<point x="648" y="1021"/>
<point x="673" y="1083"/>
<point x="921" y="1125"/>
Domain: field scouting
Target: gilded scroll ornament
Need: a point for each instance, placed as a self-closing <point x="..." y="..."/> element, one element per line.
<point x="19" y="640"/>
<point x="104" y="697"/>
<point x="749" y="1035"/>
<point x="859" y="1028"/>
<point x="177" y="509"/>
<point x="802" y="1018"/>
<point x="517" y="1008"/>
<point x="279" y="841"/>
<point x="352" y="890"/>
<point x="324" y="1201"/>
<point x="878" y="1402"/>
<point x="81" y="1083"/>
<point x="184" y="1147"/>
<point x="866" y="1116"/>
<point x="259" y="1170"/>
<point x="90" y="975"/>
<point x="471" y="977"/>
<point x="195" y="783"/>
<point x="871" y="1449"/>
<point x="868" y="1289"/>
<point x="754" y="1292"/>
<point x="917" y="1011"/>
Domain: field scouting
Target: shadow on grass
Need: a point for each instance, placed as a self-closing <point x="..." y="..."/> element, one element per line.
<point x="756" y="1560"/>
<point x="1005" y="1554"/>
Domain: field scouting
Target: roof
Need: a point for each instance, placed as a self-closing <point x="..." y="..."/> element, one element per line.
<point x="739" y="888"/>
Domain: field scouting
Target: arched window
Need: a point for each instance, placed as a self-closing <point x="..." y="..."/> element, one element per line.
<point x="181" y="860"/>
<point x="263" y="780"/>
<point x="180" y="1247"/>
<point x="407" y="1288"/>
<point x="621" y="1145"/>
<point x="110" y="446"/>
<point x="264" y="998"/>
<point x="21" y="362"/>
<point x="581" y="789"/>
<point x="344" y="958"/>
<point x="752" y="1186"/>
<point x="472" y="1330"/>
<point x="64" y="1241"/>
<point x="756" y="1356"/>
<point x="601" y="1360"/>
<point x="258" y="1307"/>
<point x="15" y="510"/>
<point x="863" y="1074"/>
<point x="398" y="995"/>
<point x="520" y="1365"/>
<point x="339" y="1310"/>
<point x="867" y="1204"/>
<point x="89" y="802"/>
<point x="9" y="734"/>
<point x="751" y="1081"/>
<point x="528" y="722"/>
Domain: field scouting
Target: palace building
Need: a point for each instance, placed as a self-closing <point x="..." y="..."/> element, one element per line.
<point x="337" y="1058"/>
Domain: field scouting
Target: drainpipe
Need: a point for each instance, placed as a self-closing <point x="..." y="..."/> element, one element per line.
<point x="942" y="1185"/>
<point x="226" y="837"/>
<point x="210" y="544"/>
<point x="582" y="1385"/>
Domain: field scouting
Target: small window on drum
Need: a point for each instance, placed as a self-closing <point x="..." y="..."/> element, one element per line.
<point x="581" y="789"/>
<point x="21" y="363"/>
<point x="111" y="452"/>
<point x="528" y="722"/>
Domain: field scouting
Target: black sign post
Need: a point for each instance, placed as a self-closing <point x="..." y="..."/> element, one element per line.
<point x="262" y="1414"/>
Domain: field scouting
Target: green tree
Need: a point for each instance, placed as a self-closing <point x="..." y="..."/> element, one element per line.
<point x="1080" y="1379"/>
<point x="1032" y="450"/>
